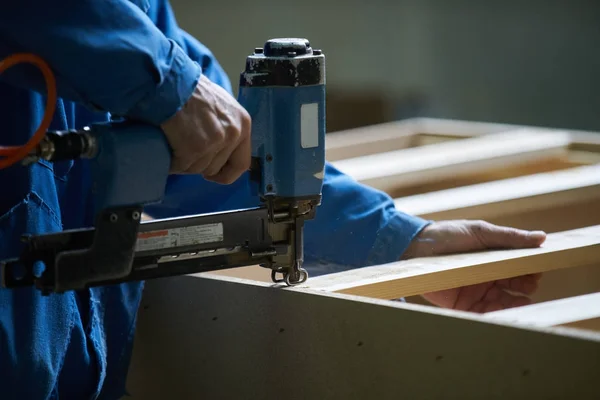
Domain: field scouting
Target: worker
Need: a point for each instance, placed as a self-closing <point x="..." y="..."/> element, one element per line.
<point x="130" y="58"/>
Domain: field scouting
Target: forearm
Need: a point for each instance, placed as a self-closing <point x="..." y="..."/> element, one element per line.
<point x="106" y="54"/>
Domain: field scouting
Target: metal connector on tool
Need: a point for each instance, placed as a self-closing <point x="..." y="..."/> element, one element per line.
<point x="64" y="145"/>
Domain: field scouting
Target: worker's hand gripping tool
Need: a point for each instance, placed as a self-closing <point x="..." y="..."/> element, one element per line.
<point x="283" y="89"/>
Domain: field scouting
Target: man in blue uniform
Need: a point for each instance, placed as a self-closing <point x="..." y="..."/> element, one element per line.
<point x="129" y="58"/>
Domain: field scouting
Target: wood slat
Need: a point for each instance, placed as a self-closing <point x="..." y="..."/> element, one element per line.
<point x="507" y="196"/>
<point x="392" y="170"/>
<point x="417" y="132"/>
<point x="403" y="134"/>
<point x="570" y="249"/>
<point x="552" y="313"/>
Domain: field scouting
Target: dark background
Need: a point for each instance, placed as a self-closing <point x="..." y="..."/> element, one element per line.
<point x="521" y="62"/>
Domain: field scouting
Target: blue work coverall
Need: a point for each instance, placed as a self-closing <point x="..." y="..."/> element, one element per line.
<point x="126" y="58"/>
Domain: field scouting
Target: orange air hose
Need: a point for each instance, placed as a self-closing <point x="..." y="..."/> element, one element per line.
<point x="13" y="154"/>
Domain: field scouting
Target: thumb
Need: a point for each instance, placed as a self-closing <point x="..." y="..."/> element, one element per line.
<point x="502" y="237"/>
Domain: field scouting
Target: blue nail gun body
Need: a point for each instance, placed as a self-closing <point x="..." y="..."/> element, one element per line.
<point x="283" y="89"/>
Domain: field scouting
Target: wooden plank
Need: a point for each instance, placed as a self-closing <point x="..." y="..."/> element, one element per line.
<point x="446" y="126"/>
<point x="227" y="339"/>
<point x="507" y="196"/>
<point x="396" y="169"/>
<point x="403" y="134"/>
<point x="551" y="313"/>
<point x="419" y="131"/>
<point x="361" y="141"/>
<point x="575" y="248"/>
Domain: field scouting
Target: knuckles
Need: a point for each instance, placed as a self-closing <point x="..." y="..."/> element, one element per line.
<point x="198" y="132"/>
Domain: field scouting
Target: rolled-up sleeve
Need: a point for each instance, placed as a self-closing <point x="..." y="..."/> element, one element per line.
<point x="106" y="54"/>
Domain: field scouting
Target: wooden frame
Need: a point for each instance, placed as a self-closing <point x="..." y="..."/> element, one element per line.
<point x="456" y="160"/>
<point x="404" y="134"/>
<point x="467" y="161"/>
<point x="539" y="181"/>
<point x="497" y="201"/>
<point x="217" y="336"/>
<point x="417" y="132"/>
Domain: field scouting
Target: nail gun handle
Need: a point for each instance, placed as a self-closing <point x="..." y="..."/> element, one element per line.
<point x="131" y="165"/>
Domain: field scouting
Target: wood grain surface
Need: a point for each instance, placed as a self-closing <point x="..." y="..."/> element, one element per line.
<point x="570" y="249"/>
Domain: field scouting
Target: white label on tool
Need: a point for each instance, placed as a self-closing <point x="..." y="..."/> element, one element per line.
<point x="178" y="237"/>
<point x="309" y="125"/>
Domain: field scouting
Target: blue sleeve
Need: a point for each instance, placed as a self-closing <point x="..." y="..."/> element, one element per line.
<point x="106" y="54"/>
<point x="355" y="225"/>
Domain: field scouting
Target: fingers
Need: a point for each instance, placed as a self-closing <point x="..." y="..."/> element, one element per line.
<point x="231" y="163"/>
<point x="496" y="299"/>
<point x="509" y="302"/>
<point x="193" y="150"/>
<point x="526" y="284"/>
<point x="494" y="236"/>
<point x="470" y="295"/>
<point x="443" y="298"/>
<point x="210" y="135"/>
<point x="238" y="163"/>
<point x="218" y="162"/>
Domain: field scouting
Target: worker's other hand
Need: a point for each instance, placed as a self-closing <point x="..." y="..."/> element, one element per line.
<point x="448" y="237"/>
<point x="210" y="135"/>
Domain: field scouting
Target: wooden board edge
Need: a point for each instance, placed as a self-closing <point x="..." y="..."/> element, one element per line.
<point x="388" y="170"/>
<point x="552" y="313"/>
<point x="569" y="249"/>
<point x="503" y="195"/>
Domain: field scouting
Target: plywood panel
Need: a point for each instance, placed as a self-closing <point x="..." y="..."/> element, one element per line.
<point x="220" y="339"/>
